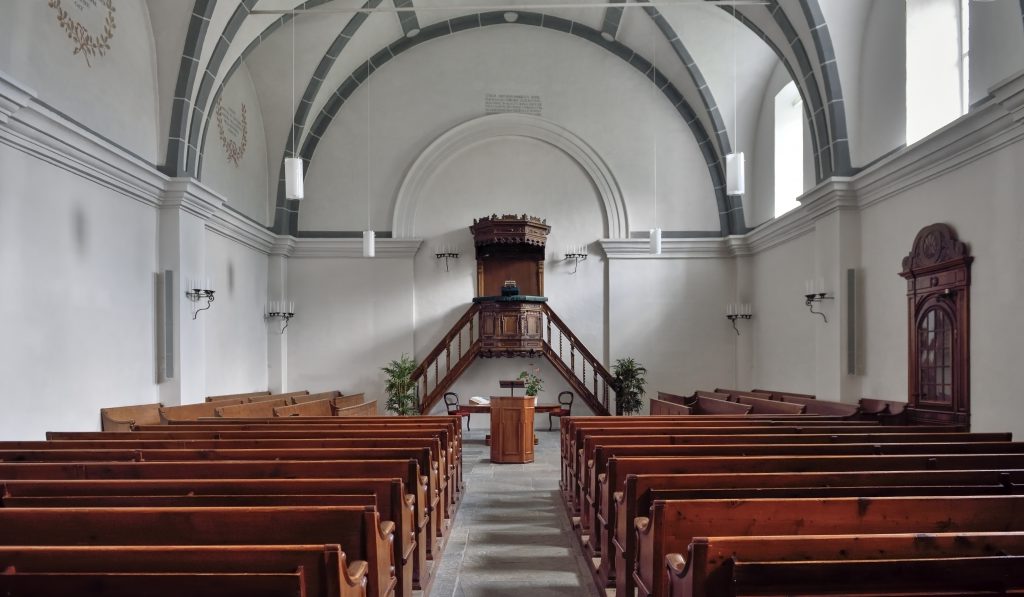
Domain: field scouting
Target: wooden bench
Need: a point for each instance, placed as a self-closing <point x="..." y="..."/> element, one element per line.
<point x="121" y="418"/>
<point x="640" y="491"/>
<point x="358" y="530"/>
<point x="325" y="569"/>
<point x="598" y="506"/>
<point x="189" y="412"/>
<point x="734" y="394"/>
<point x="389" y="495"/>
<point x="315" y="408"/>
<point x="823" y="407"/>
<point x="707" y="405"/>
<point x="159" y="584"/>
<point x="775" y="394"/>
<point x="888" y="412"/>
<point x="669" y="404"/>
<point x="289" y="396"/>
<point x="366" y="409"/>
<point x="263" y="408"/>
<point x="243" y="395"/>
<point x="329" y="395"/>
<point x="878" y="564"/>
<point x="764" y="406"/>
<point x="674" y="524"/>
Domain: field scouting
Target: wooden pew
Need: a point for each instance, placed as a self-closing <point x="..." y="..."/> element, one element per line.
<point x="263" y="408"/>
<point x="121" y="418"/>
<point x="706" y="405"/>
<point x="669" y="404"/>
<point x="188" y="412"/>
<point x="734" y="394"/>
<point x="673" y="524"/>
<point x="366" y="409"/>
<point x="775" y="394"/>
<point x="925" y="564"/>
<point x="158" y="584"/>
<point x="284" y="396"/>
<point x="244" y="395"/>
<point x="332" y="394"/>
<point x="325" y="569"/>
<point x="600" y="503"/>
<point x="764" y="406"/>
<point x="316" y="408"/>
<point x="640" y="491"/>
<point x="389" y="495"/>
<point x="888" y="412"/>
<point x="359" y="531"/>
<point x="823" y="407"/>
<point x="351" y="400"/>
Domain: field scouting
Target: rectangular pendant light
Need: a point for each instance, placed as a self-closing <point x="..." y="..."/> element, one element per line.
<point x="734" y="175"/>
<point x="369" y="243"/>
<point x="655" y="241"/>
<point x="293" y="178"/>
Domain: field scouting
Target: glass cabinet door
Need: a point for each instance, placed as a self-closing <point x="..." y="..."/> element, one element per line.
<point x="935" y="356"/>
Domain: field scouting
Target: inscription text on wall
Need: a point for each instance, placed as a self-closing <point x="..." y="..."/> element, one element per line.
<point x="92" y="34"/>
<point x="233" y="131"/>
<point x="503" y="103"/>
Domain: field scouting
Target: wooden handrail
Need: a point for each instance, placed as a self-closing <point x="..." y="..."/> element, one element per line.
<point x="596" y="364"/>
<point x="454" y="332"/>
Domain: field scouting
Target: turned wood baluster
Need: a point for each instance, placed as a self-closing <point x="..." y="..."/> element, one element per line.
<point x="572" y="356"/>
<point x="584" y="372"/>
<point x="595" y="385"/>
<point x="437" y="377"/>
<point x="460" y="344"/>
<point x="448" y="357"/>
<point x="549" y="331"/>
<point x="560" y="336"/>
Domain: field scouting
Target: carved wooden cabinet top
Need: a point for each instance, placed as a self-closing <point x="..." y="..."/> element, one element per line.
<point x="935" y="247"/>
<point x="510" y="230"/>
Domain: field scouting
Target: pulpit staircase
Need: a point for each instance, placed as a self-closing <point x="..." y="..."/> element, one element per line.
<point x="462" y="345"/>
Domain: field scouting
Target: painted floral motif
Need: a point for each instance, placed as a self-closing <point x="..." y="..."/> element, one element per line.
<point x="233" y="149"/>
<point x="87" y="44"/>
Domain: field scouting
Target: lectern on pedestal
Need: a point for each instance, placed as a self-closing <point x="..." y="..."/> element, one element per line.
<point x="512" y="429"/>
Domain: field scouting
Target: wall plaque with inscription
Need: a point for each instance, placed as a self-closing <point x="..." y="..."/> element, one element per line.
<point x="505" y="103"/>
<point x="233" y="131"/>
<point x="89" y="24"/>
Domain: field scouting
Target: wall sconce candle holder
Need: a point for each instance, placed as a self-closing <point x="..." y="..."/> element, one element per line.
<point x="576" y="255"/>
<point x="816" y="297"/>
<point x="741" y="311"/>
<point x="447" y="253"/>
<point x="283" y="310"/>
<point x="198" y="290"/>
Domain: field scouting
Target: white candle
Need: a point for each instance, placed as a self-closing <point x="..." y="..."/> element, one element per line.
<point x="291" y="306"/>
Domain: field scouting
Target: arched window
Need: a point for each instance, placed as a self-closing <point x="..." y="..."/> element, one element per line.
<point x="789" y="149"/>
<point x="935" y="355"/>
<point x="938" y="64"/>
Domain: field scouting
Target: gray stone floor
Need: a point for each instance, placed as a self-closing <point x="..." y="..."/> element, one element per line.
<point x="511" y="536"/>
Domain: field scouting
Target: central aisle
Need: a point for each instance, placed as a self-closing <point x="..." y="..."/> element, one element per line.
<point x="511" y="535"/>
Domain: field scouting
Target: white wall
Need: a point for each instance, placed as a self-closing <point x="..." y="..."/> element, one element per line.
<point x="114" y="95"/>
<point x="244" y="184"/>
<point x="353" y="316"/>
<point x="78" y="265"/>
<point x="236" y="333"/>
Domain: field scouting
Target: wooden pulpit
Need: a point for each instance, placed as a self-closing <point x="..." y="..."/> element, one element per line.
<point x="512" y="429"/>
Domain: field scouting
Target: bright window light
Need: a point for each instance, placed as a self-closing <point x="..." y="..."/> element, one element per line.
<point x="938" y="61"/>
<point x="789" y="149"/>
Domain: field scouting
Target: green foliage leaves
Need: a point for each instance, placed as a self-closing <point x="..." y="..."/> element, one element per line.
<point x="534" y="384"/>
<point x="399" y="386"/>
<point x="630" y="386"/>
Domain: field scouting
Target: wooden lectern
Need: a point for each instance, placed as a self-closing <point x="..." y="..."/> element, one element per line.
<point x="512" y="429"/>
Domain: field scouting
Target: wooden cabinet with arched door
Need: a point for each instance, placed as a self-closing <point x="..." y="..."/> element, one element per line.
<point x="938" y="274"/>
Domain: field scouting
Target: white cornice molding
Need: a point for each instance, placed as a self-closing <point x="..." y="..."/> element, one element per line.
<point x="283" y="246"/>
<point x="671" y="248"/>
<point x="13" y="96"/>
<point x="1009" y="93"/>
<point x="387" y="248"/>
<point x="192" y="197"/>
<point x="234" y="226"/>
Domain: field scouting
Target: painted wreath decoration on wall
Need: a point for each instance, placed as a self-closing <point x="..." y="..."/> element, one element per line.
<point x="85" y="44"/>
<point x="234" y="150"/>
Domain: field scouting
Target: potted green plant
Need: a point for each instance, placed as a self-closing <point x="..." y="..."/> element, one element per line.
<point x="534" y="384"/>
<point x="630" y="386"/>
<point x="399" y="387"/>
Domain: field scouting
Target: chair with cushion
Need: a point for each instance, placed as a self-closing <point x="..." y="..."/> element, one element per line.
<point x="565" y="407"/>
<point x="451" y="402"/>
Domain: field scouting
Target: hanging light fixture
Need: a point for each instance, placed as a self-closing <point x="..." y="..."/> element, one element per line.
<point x="369" y="236"/>
<point x="734" y="171"/>
<point x="655" y="235"/>
<point x="293" y="188"/>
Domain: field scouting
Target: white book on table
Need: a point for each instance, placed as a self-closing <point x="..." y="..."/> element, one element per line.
<point x="480" y="400"/>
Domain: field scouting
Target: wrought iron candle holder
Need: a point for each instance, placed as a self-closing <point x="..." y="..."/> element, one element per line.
<point x="741" y="311"/>
<point x="447" y="253"/>
<point x="816" y="297"/>
<point x="281" y="310"/>
<point x="198" y="290"/>
<point x="576" y="255"/>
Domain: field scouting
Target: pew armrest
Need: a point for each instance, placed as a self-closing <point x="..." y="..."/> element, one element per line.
<point x="354" y="575"/>
<point x="676" y="564"/>
<point x="642" y="524"/>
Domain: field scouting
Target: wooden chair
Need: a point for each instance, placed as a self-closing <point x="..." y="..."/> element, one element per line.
<point x="566" y="407"/>
<point x="451" y="402"/>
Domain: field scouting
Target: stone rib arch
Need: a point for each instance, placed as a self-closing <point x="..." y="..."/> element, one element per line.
<point x="496" y="126"/>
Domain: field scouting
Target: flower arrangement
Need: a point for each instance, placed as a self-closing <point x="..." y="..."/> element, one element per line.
<point x="534" y="384"/>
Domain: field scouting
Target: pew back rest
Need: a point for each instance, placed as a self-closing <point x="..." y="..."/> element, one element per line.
<point x="673" y="398"/>
<point x="316" y="408"/>
<point x="157" y="584"/>
<point x="822" y="407"/>
<point x="764" y="406"/>
<point x="244" y="395"/>
<point x="710" y="405"/>
<point x="733" y="394"/>
<point x="873" y="406"/>
<point x="775" y="394"/>
<point x="662" y="407"/>
<point x="365" y="409"/>
<point x="264" y="408"/>
<point x="191" y="412"/>
<point x="121" y="418"/>
<point x="287" y="397"/>
<point x="350" y="400"/>
<point x="315" y="397"/>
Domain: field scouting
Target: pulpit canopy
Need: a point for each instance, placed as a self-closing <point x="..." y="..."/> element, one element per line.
<point x="510" y="248"/>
